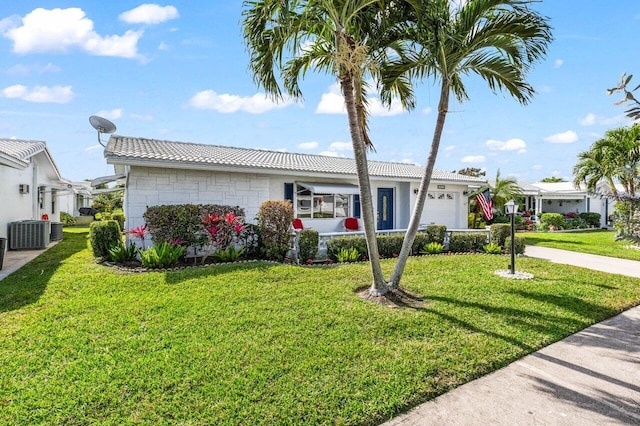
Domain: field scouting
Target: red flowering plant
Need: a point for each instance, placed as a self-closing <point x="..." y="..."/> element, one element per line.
<point x="223" y="230"/>
<point x="139" y="232"/>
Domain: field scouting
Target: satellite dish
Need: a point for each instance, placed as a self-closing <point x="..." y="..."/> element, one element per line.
<point x="102" y="125"/>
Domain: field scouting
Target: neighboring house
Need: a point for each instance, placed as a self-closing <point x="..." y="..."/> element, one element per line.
<point x="31" y="182"/>
<point x="563" y="197"/>
<point x="323" y="189"/>
<point x="77" y="196"/>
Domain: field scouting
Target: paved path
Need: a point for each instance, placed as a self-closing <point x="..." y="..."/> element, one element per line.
<point x="590" y="261"/>
<point x="589" y="378"/>
<point x="16" y="259"/>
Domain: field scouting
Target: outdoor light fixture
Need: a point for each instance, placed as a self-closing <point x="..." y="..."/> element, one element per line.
<point x="511" y="207"/>
<point x="415" y="191"/>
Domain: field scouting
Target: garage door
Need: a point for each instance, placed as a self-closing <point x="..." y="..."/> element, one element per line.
<point x="441" y="209"/>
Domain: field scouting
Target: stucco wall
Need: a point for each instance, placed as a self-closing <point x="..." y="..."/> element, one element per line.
<point x="152" y="187"/>
<point x="16" y="206"/>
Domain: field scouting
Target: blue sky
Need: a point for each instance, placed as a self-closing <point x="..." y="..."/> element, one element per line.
<point x="179" y="71"/>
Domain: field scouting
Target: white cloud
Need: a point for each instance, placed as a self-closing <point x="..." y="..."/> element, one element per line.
<point x="225" y="103"/>
<point x="544" y="89"/>
<point x="149" y="14"/>
<point x="39" y="94"/>
<point x="341" y="146"/>
<point x="332" y="102"/>
<point x="308" y="145"/>
<point x="537" y="167"/>
<point x="114" y="114"/>
<point x="450" y="148"/>
<point x="60" y="30"/>
<point x="330" y="154"/>
<point x="20" y="69"/>
<point x="510" y="145"/>
<point x="592" y="119"/>
<point x="558" y="63"/>
<point x="427" y="110"/>
<point x="473" y="159"/>
<point x="163" y="46"/>
<point x="565" y="137"/>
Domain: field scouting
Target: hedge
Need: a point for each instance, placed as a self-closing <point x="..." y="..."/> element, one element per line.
<point x="467" y="242"/>
<point x="498" y="232"/>
<point x="308" y="244"/>
<point x="103" y="236"/>
<point x="593" y="219"/>
<point x="519" y="244"/>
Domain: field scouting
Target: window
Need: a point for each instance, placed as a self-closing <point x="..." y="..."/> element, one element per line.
<point x="318" y="206"/>
<point x="41" y="197"/>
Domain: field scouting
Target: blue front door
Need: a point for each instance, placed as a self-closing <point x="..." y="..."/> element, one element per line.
<point x="385" y="208"/>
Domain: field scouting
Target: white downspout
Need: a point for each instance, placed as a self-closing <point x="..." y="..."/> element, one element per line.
<point x="35" y="191"/>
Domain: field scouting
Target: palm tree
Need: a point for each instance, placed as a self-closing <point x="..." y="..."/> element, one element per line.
<point x="346" y="38"/>
<point x="614" y="158"/>
<point x="498" y="40"/>
<point x="504" y="190"/>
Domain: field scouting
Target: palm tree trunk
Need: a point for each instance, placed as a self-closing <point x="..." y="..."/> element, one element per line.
<point x="443" y="107"/>
<point x="379" y="285"/>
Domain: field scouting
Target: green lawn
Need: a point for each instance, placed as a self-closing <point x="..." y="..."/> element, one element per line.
<point x="261" y="343"/>
<point x="594" y="242"/>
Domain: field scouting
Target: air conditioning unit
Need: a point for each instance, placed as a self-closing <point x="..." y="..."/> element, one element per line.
<point x="24" y="188"/>
<point x="29" y="234"/>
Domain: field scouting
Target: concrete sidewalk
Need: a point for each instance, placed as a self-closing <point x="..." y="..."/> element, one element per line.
<point x="589" y="378"/>
<point x="16" y="259"/>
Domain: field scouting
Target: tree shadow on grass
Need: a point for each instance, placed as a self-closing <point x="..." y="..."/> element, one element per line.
<point x="26" y="285"/>
<point x="188" y="273"/>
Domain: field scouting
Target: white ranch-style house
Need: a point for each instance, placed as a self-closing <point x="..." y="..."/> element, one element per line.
<point x="323" y="189"/>
<point x="32" y="188"/>
<point x="563" y="197"/>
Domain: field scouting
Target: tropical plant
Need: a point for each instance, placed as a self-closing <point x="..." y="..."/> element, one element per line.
<point x="613" y="158"/>
<point x="552" y="221"/>
<point x="348" y="255"/>
<point x="552" y="179"/>
<point x="433" y="248"/>
<point x="161" y="255"/>
<point x="498" y="40"/>
<point x="139" y="232"/>
<point x="634" y="105"/>
<point x="347" y="39"/>
<point x="492" y="248"/>
<point x="230" y="254"/>
<point x="121" y="254"/>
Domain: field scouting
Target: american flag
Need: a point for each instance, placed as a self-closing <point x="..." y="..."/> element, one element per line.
<point x="484" y="199"/>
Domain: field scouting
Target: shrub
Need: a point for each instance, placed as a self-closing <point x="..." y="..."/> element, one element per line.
<point x="67" y="219"/>
<point x="593" y="219"/>
<point x="501" y="219"/>
<point x="274" y="220"/>
<point x="419" y="242"/>
<point x="519" y="245"/>
<point x="231" y="254"/>
<point x="121" y="254"/>
<point x="389" y="245"/>
<point x="161" y="255"/>
<point x="104" y="235"/>
<point x="118" y="217"/>
<point x="436" y="233"/>
<point x="467" y="242"/>
<point x="552" y="221"/>
<point x="433" y="248"/>
<point x="348" y="255"/>
<point x="335" y="245"/>
<point x="184" y="222"/>
<point x="498" y="232"/>
<point x="308" y="244"/>
<point x="492" y="248"/>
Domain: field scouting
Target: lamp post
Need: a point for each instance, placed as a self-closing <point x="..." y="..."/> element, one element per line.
<point x="511" y="207"/>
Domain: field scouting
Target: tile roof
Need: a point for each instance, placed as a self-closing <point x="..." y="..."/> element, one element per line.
<point x="21" y="150"/>
<point x="131" y="150"/>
